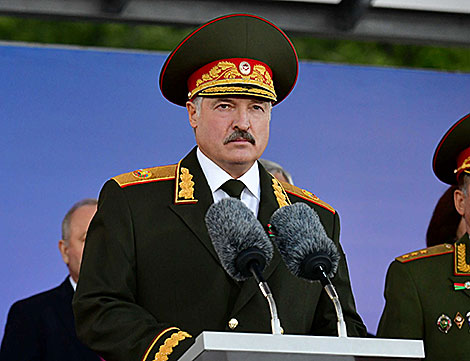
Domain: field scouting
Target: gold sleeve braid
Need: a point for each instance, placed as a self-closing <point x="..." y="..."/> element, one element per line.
<point x="167" y="348"/>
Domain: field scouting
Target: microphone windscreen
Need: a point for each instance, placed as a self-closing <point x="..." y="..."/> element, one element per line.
<point x="299" y="233"/>
<point x="233" y="228"/>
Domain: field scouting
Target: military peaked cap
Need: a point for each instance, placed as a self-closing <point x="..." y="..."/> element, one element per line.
<point x="233" y="55"/>
<point x="452" y="155"/>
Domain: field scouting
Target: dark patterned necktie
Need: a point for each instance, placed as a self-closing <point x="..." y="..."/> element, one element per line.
<point x="233" y="188"/>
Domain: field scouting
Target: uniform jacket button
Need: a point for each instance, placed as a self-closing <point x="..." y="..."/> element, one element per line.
<point x="233" y="323"/>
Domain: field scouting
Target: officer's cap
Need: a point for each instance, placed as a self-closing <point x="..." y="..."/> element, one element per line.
<point x="233" y="55"/>
<point x="452" y="155"/>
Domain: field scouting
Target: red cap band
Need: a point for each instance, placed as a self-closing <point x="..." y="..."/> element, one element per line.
<point x="463" y="162"/>
<point x="236" y="76"/>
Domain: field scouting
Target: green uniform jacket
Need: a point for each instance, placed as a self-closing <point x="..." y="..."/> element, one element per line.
<point x="149" y="270"/>
<point x="419" y="289"/>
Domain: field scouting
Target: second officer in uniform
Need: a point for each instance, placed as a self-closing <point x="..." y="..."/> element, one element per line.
<point x="427" y="292"/>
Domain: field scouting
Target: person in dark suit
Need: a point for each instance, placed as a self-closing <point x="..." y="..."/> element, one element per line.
<point x="151" y="280"/>
<point x="277" y="170"/>
<point x="41" y="327"/>
<point x="427" y="291"/>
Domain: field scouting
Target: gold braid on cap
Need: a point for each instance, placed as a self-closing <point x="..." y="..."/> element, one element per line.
<point x="234" y="76"/>
<point x="465" y="165"/>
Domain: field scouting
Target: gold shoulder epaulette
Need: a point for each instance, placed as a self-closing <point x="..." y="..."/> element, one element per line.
<point x="309" y="196"/>
<point x="426" y="252"/>
<point x="146" y="175"/>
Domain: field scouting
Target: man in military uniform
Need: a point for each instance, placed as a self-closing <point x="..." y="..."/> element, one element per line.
<point x="427" y="292"/>
<point x="151" y="280"/>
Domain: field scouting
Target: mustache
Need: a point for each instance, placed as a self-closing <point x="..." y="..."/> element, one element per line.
<point x="237" y="134"/>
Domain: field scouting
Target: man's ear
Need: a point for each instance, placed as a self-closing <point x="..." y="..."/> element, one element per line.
<point x="63" y="248"/>
<point x="459" y="201"/>
<point x="191" y="108"/>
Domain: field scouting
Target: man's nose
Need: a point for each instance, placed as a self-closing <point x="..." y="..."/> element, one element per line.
<point x="242" y="120"/>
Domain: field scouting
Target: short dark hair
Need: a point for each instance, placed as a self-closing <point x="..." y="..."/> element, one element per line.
<point x="444" y="221"/>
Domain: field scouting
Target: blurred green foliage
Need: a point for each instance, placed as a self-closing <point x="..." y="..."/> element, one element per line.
<point x="165" y="38"/>
<point x="384" y="54"/>
<point x="110" y="35"/>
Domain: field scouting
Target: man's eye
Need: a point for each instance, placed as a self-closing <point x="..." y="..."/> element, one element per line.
<point x="258" y="107"/>
<point x="223" y="106"/>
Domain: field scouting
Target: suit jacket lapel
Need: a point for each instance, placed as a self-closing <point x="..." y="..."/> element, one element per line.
<point x="64" y="306"/>
<point x="193" y="213"/>
<point x="267" y="206"/>
<point x="64" y="310"/>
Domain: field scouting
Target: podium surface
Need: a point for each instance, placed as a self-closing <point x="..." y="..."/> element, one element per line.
<point x="226" y="346"/>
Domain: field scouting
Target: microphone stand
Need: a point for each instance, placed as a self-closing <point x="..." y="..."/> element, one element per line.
<point x="275" y="322"/>
<point x="331" y="292"/>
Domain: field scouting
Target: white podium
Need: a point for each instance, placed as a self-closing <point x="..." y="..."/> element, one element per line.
<point x="227" y="346"/>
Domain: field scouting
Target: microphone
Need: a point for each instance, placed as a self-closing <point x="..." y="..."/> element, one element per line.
<point x="307" y="250"/>
<point x="242" y="246"/>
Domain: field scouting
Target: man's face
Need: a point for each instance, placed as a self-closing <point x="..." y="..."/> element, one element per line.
<point x="232" y="132"/>
<point x="72" y="249"/>
<point x="462" y="205"/>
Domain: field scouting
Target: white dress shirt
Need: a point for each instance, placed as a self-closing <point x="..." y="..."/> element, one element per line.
<point x="73" y="283"/>
<point x="216" y="176"/>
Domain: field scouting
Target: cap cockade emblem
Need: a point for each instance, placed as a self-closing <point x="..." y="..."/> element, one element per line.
<point x="244" y="68"/>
